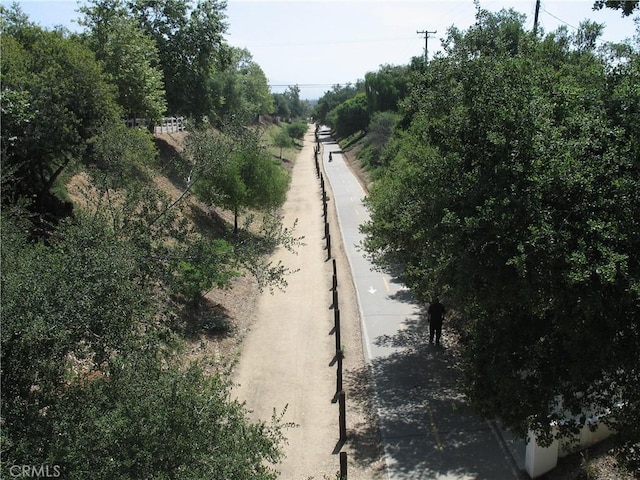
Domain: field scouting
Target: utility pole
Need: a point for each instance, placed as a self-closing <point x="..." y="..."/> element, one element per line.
<point x="426" y="39"/>
<point x="535" y="20"/>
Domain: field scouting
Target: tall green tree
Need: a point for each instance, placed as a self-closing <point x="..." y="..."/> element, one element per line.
<point x="296" y="106"/>
<point x="242" y="88"/>
<point x="190" y="41"/>
<point x="130" y="58"/>
<point x="281" y="106"/>
<point x="385" y="88"/>
<point x="510" y="193"/>
<point x="289" y="105"/>
<point x="331" y="99"/>
<point x="351" y="116"/>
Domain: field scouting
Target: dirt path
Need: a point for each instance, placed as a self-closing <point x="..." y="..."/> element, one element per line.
<point x="285" y="360"/>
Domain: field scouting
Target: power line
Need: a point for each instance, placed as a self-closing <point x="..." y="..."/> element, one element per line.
<point x="297" y="44"/>
<point x="307" y="85"/>
<point x="559" y="19"/>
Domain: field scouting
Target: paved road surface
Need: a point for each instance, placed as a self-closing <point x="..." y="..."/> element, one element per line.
<point x="428" y="430"/>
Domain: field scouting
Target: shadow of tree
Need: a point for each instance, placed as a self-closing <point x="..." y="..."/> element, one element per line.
<point x="172" y="163"/>
<point x="430" y="429"/>
<point x="203" y="317"/>
<point x="363" y="434"/>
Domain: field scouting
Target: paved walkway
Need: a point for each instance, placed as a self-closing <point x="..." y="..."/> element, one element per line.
<point x="428" y="430"/>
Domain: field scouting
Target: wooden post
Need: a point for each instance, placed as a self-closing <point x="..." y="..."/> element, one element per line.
<point x="326" y="229"/>
<point x="343" y="465"/>
<point x="336" y="322"/>
<point x="342" y="415"/>
<point x="329" y="247"/>
<point x="339" y="371"/>
<point x="336" y="315"/>
<point x="335" y="299"/>
<point x="335" y="271"/>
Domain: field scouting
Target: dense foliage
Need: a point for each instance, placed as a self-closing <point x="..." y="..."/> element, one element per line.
<point x="242" y="89"/>
<point x="350" y="117"/>
<point x="385" y="88"/>
<point x="88" y="380"/>
<point x="129" y="56"/>
<point x="379" y="133"/>
<point x="627" y="6"/>
<point x="289" y="105"/>
<point x="511" y="192"/>
<point x="190" y="42"/>
<point x="55" y="98"/>
<point x="351" y="110"/>
<point x="333" y="99"/>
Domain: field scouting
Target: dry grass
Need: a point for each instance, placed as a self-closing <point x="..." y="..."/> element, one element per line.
<point x="233" y="309"/>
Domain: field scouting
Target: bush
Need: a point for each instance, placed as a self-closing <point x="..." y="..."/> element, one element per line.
<point x="297" y="130"/>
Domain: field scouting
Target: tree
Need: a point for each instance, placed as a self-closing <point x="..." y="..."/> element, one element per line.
<point x="73" y="302"/>
<point x="509" y="192"/>
<point x="378" y="135"/>
<point x="282" y="107"/>
<point x="246" y="178"/>
<point x="120" y="156"/>
<point x="282" y="139"/>
<point x="297" y="130"/>
<point x="351" y="116"/>
<point x="148" y="419"/>
<point x="89" y="384"/>
<point x="627" y="6"/>
<point x="296" y="105"/>
<point x="385" y="88"/>
<point x="243" y="89"/>
<point x="55" y="98"/>
<point x="331" y="99"/>
<point x="129" y="56"/>
<point x="190" y="45"/>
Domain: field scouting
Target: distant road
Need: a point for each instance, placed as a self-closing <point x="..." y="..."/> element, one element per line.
<point x="428" y="430"/>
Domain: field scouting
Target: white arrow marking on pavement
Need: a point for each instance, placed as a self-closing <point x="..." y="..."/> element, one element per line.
<point x="372" y="290"/>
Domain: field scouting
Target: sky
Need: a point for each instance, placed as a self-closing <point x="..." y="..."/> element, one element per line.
<point x="319" y="44"/>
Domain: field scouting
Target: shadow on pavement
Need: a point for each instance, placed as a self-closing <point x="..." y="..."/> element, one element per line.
<point x="363" y="434"/>
<point x="428" y="427"/>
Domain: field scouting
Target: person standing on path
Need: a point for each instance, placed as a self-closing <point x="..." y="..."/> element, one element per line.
<point x="436" y="313"/>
